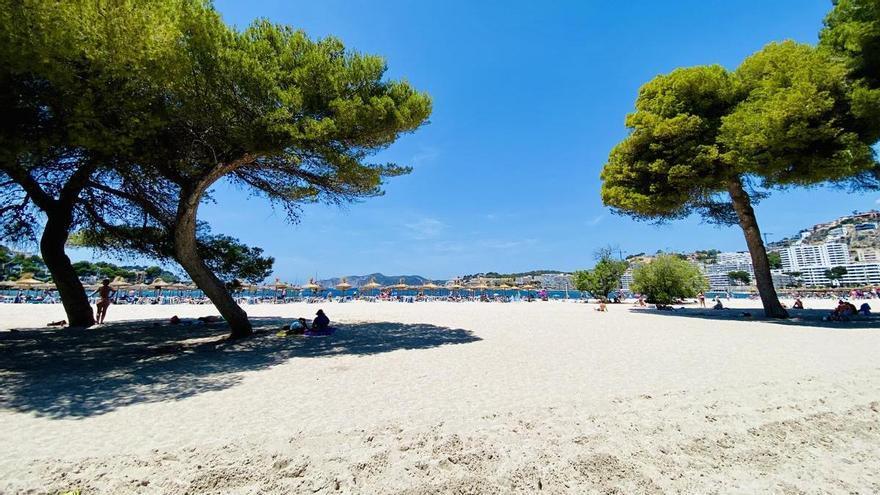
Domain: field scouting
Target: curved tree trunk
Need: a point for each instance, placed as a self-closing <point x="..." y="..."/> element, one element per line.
<point x="70" y="290"/>
<point x="742" y="203"/>
<point x="186" y="253"/>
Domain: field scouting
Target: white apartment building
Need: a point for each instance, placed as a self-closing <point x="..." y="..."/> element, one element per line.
<point x="867" y="255"/>
<point x="857" y="274"/>
<point x="739" y="257"/>
<point x="812" y="261"/>
<point x="716" y="273"/>
<point x="627" y="279"/>
<point x="836" y="233"/>
<point x="797" y="258"/>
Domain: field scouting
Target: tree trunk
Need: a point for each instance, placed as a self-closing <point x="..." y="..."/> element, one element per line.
<point x="186" y="253"/>
<point x="70" y="289"/>
<point x="742" y="203"/>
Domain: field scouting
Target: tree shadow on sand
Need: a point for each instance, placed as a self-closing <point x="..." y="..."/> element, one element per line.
<point x="799" y="317"/>
<point x="73" y="373"/>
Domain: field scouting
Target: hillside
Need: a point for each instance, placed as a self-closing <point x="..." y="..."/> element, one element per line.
<point x="853" y="230"/>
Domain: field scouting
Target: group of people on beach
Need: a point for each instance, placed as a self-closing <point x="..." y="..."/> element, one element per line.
<point x="846" y="310"/>
<point x="300" y="326"/>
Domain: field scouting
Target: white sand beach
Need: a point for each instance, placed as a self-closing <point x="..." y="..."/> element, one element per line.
<point x="441" y="398"/>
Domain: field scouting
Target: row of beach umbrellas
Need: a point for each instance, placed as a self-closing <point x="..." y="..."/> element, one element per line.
<point x="28" y="282"/>
<point x="343" y="286"/>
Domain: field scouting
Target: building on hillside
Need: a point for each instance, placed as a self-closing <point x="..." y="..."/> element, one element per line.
<point x="627" y="279"/>
<point x="555" y="281"/>
<point x="812" y="261"/>
<point x="866" y="255"/>
<point x="857" y="274"/>
<point x="796" y="258"/>
<point x="783" y="279"/>
<point x="738" y="257"/>
<point x="717" y="273"/>
<point x="866" y="227"/>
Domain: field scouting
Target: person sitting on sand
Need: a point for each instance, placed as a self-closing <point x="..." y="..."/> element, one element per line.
<point x="299" y="326"/>
<point x="798" y="304"/>
<point x="321" y="323"/>
<point x="865" y="309"/>
<point x="104" y="293"/>
<point x="602" y="307"/>
<point x="843" y="311"/>
<point x="718" y="304"/>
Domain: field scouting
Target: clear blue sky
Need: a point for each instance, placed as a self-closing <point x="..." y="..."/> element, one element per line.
<point x="529" y="97"/>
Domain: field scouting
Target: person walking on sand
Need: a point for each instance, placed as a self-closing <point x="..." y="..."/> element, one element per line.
<point x="104" y="292"/>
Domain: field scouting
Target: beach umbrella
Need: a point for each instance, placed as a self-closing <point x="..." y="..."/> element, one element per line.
<point x="27" y="281"/>
<point x="372" y="285"/>
<point x="455" y="286"/>
<point x="312" y="286"/>
<point x="119" y="282"/>
<point x="343" y="286"/>
<point x="7" y="283"/>
<point x="45" y="286"/>
<point x="429" y="286"/>
<point x="159" y="284"/>
<point x="400" y="285"/>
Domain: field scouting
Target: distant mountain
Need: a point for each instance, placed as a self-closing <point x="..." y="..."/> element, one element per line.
<point x="360" y="280"/>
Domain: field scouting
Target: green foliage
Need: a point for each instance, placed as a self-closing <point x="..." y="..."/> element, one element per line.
<point x="13" y="265"/>
<point x="102" y="270"/>
<point x="533" y="273"/>
<point x="852" y="32"/>
<point x="226" y="256"/>
<point x="739" y="277"/>
<point x="229" y="259"/>
<point x="708" y="257"/>
<point x="289" y="118"/>
<point x="835" y="273"/>
<point x="775" y="259"/>
<point x="68" y="97"/>
<point x="776" y="120"/>
<point x="667" y="279"/>
<point x="604" y="278"/>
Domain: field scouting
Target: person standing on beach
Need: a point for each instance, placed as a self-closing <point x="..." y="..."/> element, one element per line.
<point x="104" y="293"/>
<point x="702" y="298"/>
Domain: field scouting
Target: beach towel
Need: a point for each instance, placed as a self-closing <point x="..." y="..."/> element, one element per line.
<point x="310" y="333"/>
